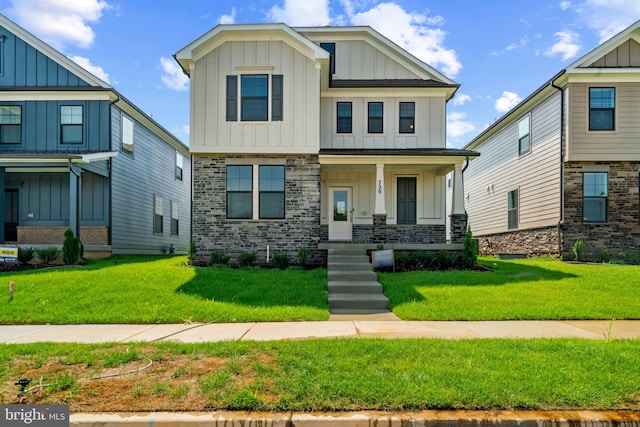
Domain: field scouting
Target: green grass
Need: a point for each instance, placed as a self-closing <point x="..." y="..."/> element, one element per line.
<point x="139" y="289"/>
<point x="538" y="288"/>
<point x="355" y="374"/>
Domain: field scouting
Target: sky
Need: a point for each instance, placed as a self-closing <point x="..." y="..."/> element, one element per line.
<point x="499" y="51"/>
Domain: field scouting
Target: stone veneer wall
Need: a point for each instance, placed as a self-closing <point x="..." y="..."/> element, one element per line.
<point x="300" y="228"/>
<point x="535" y="242"/>
<point x="621" y="232"/>
<point x="458" y="228"/>
<point x="405" y="233"/>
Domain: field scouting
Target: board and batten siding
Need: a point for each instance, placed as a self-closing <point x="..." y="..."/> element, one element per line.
<point x="298" y="132"/>
<point x="622" y="144"/>
<point x="429" y="124"/>
<point x="359" y="60"/>
<point x="135" y="180"/>
<point x="499" y="170"/>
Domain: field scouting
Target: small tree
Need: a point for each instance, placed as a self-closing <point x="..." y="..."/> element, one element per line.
<point x="578" y="250"/>
<point x="70" y="247"/>
<point x="469" y="251"/>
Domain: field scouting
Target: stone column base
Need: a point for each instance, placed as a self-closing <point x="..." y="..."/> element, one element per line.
<point x="379" y="228"/>
<point x="458" y="227"/>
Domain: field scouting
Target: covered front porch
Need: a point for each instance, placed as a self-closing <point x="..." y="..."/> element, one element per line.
<point x="391" y="197"/>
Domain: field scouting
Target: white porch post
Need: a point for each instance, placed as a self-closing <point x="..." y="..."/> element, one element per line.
<point x="380" y="208"/>
<point x="458" y="191"/>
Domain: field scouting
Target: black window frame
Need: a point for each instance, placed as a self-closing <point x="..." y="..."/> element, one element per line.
<point x="599" y="112"/>
<point x="65" y="128"/>
<point x="158" y="218"/>
<point x="264" y="194"/>
<point x="243" y="192"/>
<point x="11" y="127"/>
<point x="246" y="100"/>
<point x="406" y="205"/>
<point x="587" y="198"/>
<point x="406" y="121"/>
<point x="175" y="219"/>
<point x="524" y="140"/>
<point x="513" y="207"/>
<point x="375" y="117"/>
<point x="331" y="48"/>
<point x="344" y="122"/>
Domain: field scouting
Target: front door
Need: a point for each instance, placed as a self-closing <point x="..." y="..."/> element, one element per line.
<point x="341" y="214"/>
<point x="11" y="215"/>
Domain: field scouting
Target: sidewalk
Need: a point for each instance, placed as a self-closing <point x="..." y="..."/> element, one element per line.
<point x="210" y="332"/>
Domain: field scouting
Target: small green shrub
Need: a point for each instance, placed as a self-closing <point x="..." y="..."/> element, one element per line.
<point x="402" y="257"/>
<point x="218" y="258"/>
<point x="191" y="253"/>
<point x="446" y="260"/>
<point x="578" y="250"/>
<point x="469" y="251"/>
<point x="25" y="254"/>
<point x="70" y="247"/>
<point x="424" y="259"/>
<point x="632" y="258"/>
<point x="380" y="247"/>
<point x="604" y="256"/>
<point x="47" y="255"/>
<point x="247" y="259"/>
<point x="302" y="256"/>
<point x="280" y="261"/>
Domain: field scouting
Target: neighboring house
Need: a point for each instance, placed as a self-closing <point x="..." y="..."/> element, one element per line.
<point x="564" y="164"/>
<point x="302" y="137"/>
<point x="75" y="153"/>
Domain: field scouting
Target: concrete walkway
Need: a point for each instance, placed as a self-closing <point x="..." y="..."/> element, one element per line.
<point x="369" y="328"/>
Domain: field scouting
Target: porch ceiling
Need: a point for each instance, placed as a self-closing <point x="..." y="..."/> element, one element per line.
<point x="29" y="159"/>
<point x="416" y="157"/>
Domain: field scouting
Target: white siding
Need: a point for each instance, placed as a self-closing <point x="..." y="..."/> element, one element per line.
<point x="358" y="60"/>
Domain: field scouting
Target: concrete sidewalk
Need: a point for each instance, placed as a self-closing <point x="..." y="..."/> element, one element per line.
<point x="211" y="332"/>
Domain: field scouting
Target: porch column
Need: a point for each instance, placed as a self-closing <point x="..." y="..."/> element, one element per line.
<point x="3" y="202"/>
<point x="380" y="211"/>
<point x="74" y="199"/>
<point x="458" y="217"/>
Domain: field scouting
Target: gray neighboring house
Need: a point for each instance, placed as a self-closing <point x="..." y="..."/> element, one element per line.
<point x="76" y="153"/>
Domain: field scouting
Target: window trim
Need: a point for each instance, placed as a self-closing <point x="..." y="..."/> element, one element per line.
<point x="123" y="147"/>
<point x="9" y="106"/>
<point x="261" y="192"/>
<point x="511" y="209"/>
<point x="590" y="109"/>
<point x="375" y="119"/>
<point x="344" y="118"/>
<point x="179" y="166"/>
<point x="526" y="119"/>
<point x="231" y="192"/>
<point x="158" y="218"/>
<point x="174" y="227"/>
<point x="64" y="125"/>
<point x="244" y="98"/>
<point x="412" y="127"/>
<point x="605" y="198"/>
<point x="331" y="48"/>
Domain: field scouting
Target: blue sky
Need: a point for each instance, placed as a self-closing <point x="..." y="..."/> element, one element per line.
<point x="498" y="50"/>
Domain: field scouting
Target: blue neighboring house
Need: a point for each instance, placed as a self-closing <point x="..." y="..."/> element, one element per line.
<point x="76" y="153"/>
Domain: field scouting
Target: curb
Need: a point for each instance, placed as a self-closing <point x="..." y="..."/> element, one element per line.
<point x="363" y="419"/>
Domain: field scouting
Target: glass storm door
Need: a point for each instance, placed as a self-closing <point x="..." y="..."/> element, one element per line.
<point x="341" y="214"/>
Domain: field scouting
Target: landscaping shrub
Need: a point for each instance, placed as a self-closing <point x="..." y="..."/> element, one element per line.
<point x="302" y="257"/>
<point x="446" y="260"/>
<point x="25" y="254"/>
<point x="47" y="255"/>
<point x="632" y="258"/>
<point x="469" y="251"/>
<point x="247" y="259"/>
<point x="403" y="261"/>
<point x="604" y="256"/>
<point x="218" y="258"/>
<point x="280" y="261"/>
<point x="424" y="260"/>
<point x="578" y="250"/>
<point x="191" y="253"/>
<point x="70" y="247"/>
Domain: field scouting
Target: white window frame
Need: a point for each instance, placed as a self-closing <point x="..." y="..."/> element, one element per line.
<point x="524" y="133"/>
<point x="127" y="134"/>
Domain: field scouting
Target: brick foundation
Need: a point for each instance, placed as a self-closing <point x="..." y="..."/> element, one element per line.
<point x="54" y="235"/>
<point x="535" y="242"/>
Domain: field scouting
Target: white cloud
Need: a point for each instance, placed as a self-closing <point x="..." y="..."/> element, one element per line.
<point x="461" y="99"/>
<point x="457" y="126"/>
<point x="507" y="101"/>
<point x="417" y="33"/>
<point x="228" y="19"/>
<point x="172" y="75"/>
<point x="608" y="17"/>
<point x="297" y="13"/>
<point x="568" y="45"/>
<point x="93" y="69"/>
<point x="60" y="23"/>
<point x="564" y="5"/>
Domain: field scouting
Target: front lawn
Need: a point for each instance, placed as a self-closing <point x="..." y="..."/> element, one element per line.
<point x="147" y="289"/>
<point x="537" y="288"/>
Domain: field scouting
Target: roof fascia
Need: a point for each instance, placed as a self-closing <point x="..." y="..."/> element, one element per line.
<point x="605" y="47"/>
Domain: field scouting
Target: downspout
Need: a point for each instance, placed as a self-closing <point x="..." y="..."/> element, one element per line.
<point x="78" y="201"/>
<point x="110" y="227"/>
<point x="562" y="141"/>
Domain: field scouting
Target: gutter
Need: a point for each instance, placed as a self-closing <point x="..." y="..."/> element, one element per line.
<point x="562" y="141"/>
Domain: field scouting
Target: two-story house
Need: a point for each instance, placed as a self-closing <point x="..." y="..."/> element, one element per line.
<point x="563" y="165"/>
<point x="305" y="136"/>
<point x="76" y="153"/>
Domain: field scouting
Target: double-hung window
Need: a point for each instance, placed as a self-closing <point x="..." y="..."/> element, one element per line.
<point x="344" y="117"/>
<point x="331" y="48"/>
<point x="254" y="98"/>
<point x="602" y="108"/>
<point x="127" y="134"/>
<point x="178" y="166"/>
<point x="407" y="117"/>
<point x="595" y="195"/>
<point x="175" y="218"/>
<point x="512" y="209"/>
<point x="10" y="124"/>
<point x="524" y="135"/>
<point x="375" y="113"/>
<point x="158" y="218"/>
<point x="271" y="192"/>
<point x="240" y="192"/>
<point x="71" y="118"/>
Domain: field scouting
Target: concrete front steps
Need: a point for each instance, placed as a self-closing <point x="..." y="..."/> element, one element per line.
<point x="353" y="285"/>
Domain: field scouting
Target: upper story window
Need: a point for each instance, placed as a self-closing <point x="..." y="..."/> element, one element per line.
<point x="331" y="48"/>
<point x="512" y="209"/>
<point x="10" y="124"/>
<point x="344" y="117"/>
<point x="524" y="135"/>
<point x="271" y="191"/>
<point x="127" y="134"/>
<point x="254" y="98"/>
<point x="178" y="166"/>
<point x="407" y="117"/>
<point x="602" y="108"/>
<point x="375" y="122"/>
<point x="71" y="118"/>
<point x="595" y="195"/>
<point x="240" y="191"/>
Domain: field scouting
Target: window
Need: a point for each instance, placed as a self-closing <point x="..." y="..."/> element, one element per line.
<point x="175" y="218"/>
<point x="375" y="117"/>
<point x="271" y="192"/>
<point x="344" y="117"/>
<point x="158" y="219"/>
<point x="10" y="124"/>
<point x="602" y="107"/>
<point x="407" y="117"/>
<point x="239" y="192"/>
<point x="595" y="194"/>
<point x="254" y="102"/>
<point x="407" y="201"/>
<point x="524" y="135"/>
<point x="127" y="134"/>
<point x="71" y="123"/>
<point x="178" y="166"/>
<point x="512" y="209"/>
<point x="331" y="48"/>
